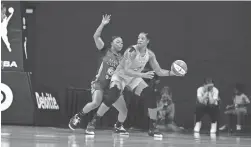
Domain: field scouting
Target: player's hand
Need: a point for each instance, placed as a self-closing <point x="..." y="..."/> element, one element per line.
<point x="148" y="75"/>
<point x="173" y="74"/>
<point x="106" y="19"/>
<point x="11" y="10"/>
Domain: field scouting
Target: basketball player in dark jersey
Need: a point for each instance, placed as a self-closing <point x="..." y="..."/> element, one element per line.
<point x="110" y="61"/>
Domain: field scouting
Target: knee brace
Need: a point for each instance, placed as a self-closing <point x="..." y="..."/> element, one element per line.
<point x="150" y="97"/>
<point x="112" y="97"/>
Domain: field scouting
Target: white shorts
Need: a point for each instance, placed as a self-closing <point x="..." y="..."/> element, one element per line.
<point x="130" y="82"/>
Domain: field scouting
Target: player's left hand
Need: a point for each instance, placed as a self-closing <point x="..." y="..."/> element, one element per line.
<point x="11" y="10"/>
<point x="106" y="19"/>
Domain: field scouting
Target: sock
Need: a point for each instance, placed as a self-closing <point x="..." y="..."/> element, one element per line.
<point x="95" y="119"/>
<point x="81" y="114"/>
<point x="119" y="124"/>
<point x="152" y="124"/>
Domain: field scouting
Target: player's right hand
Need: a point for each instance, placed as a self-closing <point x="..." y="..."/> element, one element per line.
<point x="106" y="19"/>
<point x="148" y="75"/>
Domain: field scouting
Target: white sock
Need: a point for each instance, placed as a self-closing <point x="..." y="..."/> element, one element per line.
<point x="238" y="127"/>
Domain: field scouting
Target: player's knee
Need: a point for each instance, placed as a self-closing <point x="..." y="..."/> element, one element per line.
<point x="113" y="95"/>
<point x="95" y="104"/>
<point x="123" y="112"/>
<point x="139" y="89"/>
<point x="97" y="98"/>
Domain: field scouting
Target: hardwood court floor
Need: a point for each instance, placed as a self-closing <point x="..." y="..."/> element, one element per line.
<point x="22" y="136"/>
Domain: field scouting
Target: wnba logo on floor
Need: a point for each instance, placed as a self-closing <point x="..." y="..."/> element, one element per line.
<point x="46" y="101"/>
<point x="6" y="97"/>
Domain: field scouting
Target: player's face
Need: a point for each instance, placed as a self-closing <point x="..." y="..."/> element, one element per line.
<point x="117" y="44"/>
<point x="142" y="40"/>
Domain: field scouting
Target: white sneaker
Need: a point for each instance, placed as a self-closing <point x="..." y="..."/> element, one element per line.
<point x="223" y="128"/>
<point x="121" y="130"/>
<point x="197" y="127"/>
<point x="90" y="129"/>
<point x="238" y="127"/>
<point x="74" y="122"/>
<point x="213" y="127"/>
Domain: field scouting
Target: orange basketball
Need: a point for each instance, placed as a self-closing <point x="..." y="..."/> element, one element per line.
<point x="179" y="67"/>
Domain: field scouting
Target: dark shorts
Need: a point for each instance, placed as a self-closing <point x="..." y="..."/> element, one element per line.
<point x="97" y="85"/>
<point x="211" y="110"/>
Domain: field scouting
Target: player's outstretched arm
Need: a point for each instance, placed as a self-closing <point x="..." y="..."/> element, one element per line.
<point x="9" y="17"/>
<point x="156" y="67"/>
<point x="97" y="35"/>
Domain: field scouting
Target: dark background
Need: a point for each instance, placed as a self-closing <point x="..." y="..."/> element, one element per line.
<point x="21" y="111"/>
<point x="213" y="38"/>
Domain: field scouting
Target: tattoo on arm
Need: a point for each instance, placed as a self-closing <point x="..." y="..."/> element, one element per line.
<point x="129" y="56"/>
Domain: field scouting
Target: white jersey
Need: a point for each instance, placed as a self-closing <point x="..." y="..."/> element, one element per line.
<point x="138" y="64"/>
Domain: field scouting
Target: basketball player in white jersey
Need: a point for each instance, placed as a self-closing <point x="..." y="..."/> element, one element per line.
<point x="4" y="24"/>
<point x="129" y="74"/>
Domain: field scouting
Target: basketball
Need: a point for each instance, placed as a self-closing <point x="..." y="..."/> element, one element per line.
<point x="11" y="10"/>
<point x="179" y="67"/>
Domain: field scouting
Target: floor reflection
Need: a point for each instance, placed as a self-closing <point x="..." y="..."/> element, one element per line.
<point x="72" y="141"/>
<point x="119" y="140"/>
<point x="89" y="140"/>
<point x="48" y="137"/>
